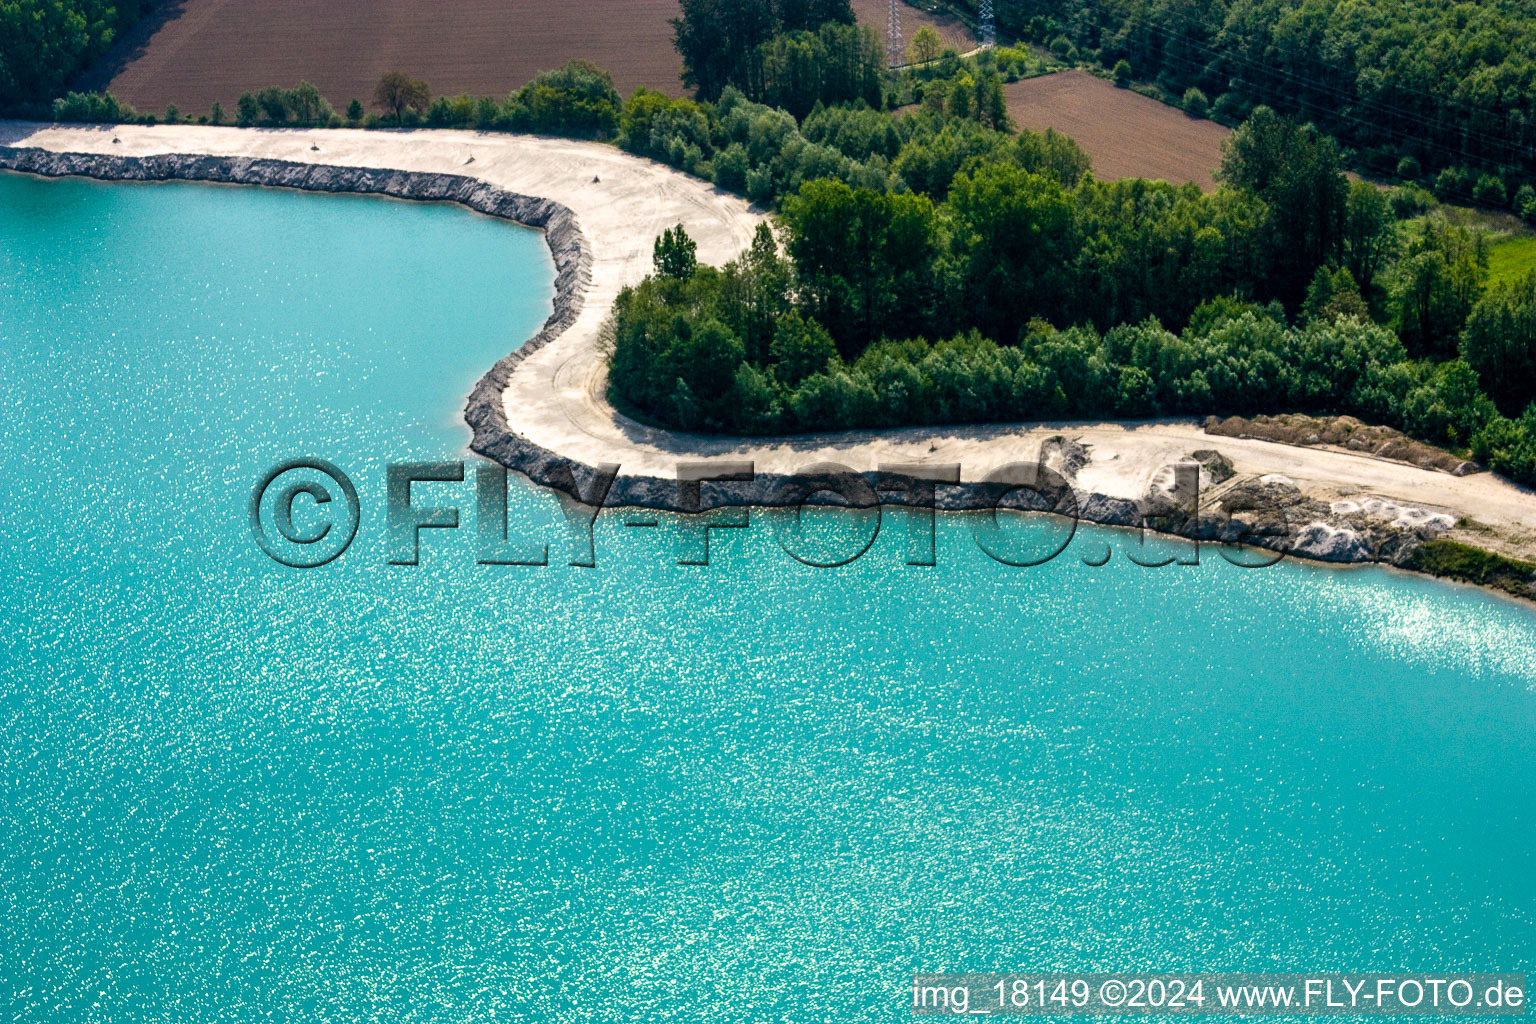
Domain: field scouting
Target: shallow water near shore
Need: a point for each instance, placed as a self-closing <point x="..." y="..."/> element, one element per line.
<point x="755" y="790"/>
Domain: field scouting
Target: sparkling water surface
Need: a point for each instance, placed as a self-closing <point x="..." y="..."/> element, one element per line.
<point x="755" y="791"/>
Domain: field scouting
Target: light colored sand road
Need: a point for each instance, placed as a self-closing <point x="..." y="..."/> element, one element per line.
<point x="556" y="398"/>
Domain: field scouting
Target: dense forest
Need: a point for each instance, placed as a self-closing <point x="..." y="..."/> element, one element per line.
<point x="45" y="43"/>
<point x="1416" y="89"/>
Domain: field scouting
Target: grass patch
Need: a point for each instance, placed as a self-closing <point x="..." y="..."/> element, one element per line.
<point x="1474" y="565"/>
<point x="1510" y="259"/>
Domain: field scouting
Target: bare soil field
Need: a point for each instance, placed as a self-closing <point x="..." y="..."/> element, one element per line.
<point x="193" y="52"/>
<point x="1127" y="135"/>
<point x="951" y="29"/>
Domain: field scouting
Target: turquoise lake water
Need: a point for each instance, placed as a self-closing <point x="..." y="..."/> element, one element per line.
<point x="642" y="792"/>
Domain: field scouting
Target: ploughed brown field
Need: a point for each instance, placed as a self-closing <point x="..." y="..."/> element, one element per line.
<point x="198" y="51"/>
<point x="1126" y="134"/>
<point x="954" y="32"/>
<point x="206" y="50"/>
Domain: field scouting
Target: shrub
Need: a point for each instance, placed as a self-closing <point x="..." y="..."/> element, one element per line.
<point x="1408" y="168"/>
<point x="1490" y="191"/>
<point x="487" y="113"/>
<point x="731" y="168"/>
<point x="579" y="99"/>
<point x="1441" y="557"/>
<point x="1062" y="48"/>
<point x="1195" y="103"/>
<point x="274" y="104"/>
<point x="439" y="114"/>
<point x="1230" y="107"/>
<point x="355" y="111"/>
<point x="1452" y="183"/>
<point x="246" y="110"/>
<point x="1525" y="203"/>
<point x="1410" y="200"/>
<point x="216" y="115"/>
<point x="92" y="107"/>
<point x="1122" y="73"/>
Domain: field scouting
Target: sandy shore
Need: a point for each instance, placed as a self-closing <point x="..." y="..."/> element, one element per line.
<point x="554" y="399"/>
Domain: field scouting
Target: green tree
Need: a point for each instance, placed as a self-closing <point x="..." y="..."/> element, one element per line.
<point x="355" y="112"/>
<point x="1013" y="240"/>
<point x="308" y="106"/>
<point x="1453" y="184"/>
<point x="577" y="99"/>
<point x="398" y="92"/>
<point x="1332" y="295"/>
<point x="703" y="359"/>
<point x="719" y="40"/>
<point x="45" y="43"/>
<point x="1489" y="191"/>
<point x="1299" y="173"/>
<point x="991" y="104"/>
<point x="1437" y="282"/>
<point x="1122" y="73"/>
<point x="960" y="96"/>
<point x="675" y="255"/>
<point x="1525" y="203"/>
<point x="926" y="46"/>
<point x="1052" y="154"/>
<point x="273" y="102"/>
<point x="216" y="115"/>
<point x="1499" y="342"/>
<point x="1370" y="234"/>
<point x="1196" y="104"/>
<point x="800" y="348"/>
<point x="246" y="110"/>
<point x="865" y="260"/>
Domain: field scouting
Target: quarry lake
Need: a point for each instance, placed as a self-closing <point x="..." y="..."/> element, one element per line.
<point x="755" y="790"/>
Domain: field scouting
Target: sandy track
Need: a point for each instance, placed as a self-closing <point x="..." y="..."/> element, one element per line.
<point x="555" y="399"/>
<point x="1127" y="135"/>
